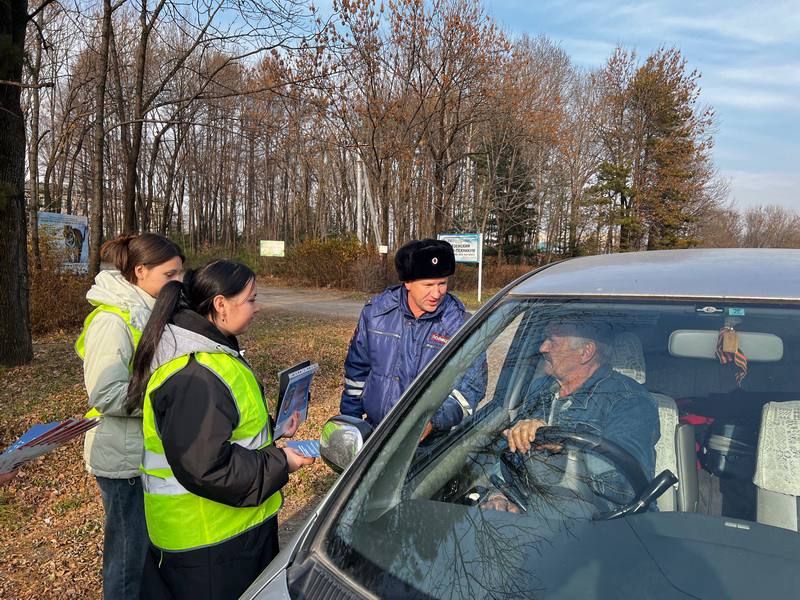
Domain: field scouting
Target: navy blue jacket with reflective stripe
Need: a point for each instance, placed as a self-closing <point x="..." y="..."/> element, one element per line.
<point x="389" y="349"/>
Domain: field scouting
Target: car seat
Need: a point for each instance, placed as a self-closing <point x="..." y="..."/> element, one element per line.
<point x="777" y="475"/>
<point x="675" y="449"/>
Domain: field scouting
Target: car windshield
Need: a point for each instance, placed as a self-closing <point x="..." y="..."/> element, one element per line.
<point x="559" y="480"/>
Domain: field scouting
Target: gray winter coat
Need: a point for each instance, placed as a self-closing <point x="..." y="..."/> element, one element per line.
<point x="114" y="448"/>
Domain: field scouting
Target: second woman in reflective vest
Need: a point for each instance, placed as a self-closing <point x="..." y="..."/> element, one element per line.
<point x="211" y="474"/>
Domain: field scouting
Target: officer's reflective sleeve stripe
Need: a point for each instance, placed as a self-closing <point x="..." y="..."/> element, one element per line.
<point x="353" y="388"/>
<point x="465" y="406"/>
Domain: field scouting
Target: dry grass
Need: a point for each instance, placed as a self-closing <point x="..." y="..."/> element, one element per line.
<point x="51" y="514"/>
<point x="280" y="341"/>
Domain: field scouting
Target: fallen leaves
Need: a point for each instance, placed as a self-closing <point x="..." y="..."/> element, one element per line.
<point x="51" y="515"/>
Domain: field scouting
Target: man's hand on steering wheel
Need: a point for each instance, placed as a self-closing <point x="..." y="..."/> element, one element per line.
<point x="521" y="436"/>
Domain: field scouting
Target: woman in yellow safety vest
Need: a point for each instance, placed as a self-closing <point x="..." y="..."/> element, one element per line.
<point x="122" y="300"/>
<point x="211" y="473"/>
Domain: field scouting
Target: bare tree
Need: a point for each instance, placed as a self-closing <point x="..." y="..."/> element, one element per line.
<point x="101" y="76"/>
<point x="770" y="226"/>
<point x="391" y="122"/>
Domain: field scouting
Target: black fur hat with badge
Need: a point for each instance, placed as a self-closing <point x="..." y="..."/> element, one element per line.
<point x="425" y="259"/>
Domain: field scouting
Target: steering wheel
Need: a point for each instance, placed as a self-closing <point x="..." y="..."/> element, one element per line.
<point x="622" y="461"/>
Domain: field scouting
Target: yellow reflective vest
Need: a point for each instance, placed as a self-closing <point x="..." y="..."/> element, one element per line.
<point x="177" y="519"/>
<point x="80" y="343"/>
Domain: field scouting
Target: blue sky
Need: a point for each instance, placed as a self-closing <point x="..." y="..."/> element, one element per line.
<point x="747" y="52"/>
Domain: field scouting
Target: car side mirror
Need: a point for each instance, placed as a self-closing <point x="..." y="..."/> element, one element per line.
<point x="342" y="438"/>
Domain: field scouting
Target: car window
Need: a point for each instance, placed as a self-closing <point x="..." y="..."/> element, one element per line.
<point x="665" y="388"/>
<point x="498" y="355"/>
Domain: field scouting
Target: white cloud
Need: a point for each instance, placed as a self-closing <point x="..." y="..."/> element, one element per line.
<point x="735" y="21"/>
<point x="749" y="98"/>
<point x="760" y="188"/>
<point x="587" y="52"/>
<point x="723" y="27"/>
<point x="748" y="22"/>
<point x="761" y="74"/>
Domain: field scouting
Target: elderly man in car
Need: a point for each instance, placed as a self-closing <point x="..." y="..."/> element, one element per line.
<point x="581" y="392"/>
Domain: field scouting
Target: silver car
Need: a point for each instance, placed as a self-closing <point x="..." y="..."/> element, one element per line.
<point x="707" y="340"/>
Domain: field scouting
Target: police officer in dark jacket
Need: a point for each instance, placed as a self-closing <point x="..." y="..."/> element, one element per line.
<point x="400" y="331"/>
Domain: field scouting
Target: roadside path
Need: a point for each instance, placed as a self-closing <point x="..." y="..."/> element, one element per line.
<point x="330" y="303"/>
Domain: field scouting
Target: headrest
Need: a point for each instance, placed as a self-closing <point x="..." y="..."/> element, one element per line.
<point x="778" y="457"/>
<point x="628" y="357"/>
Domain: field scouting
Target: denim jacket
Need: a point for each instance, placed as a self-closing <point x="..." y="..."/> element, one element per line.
<point x="608" y="404"/>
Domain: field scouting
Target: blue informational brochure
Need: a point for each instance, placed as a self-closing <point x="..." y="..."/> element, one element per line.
<point x="305" y="447"/>
<point x="34" y="432"/>
<point x="41" y="439"/>
<point x="295" y="391"/>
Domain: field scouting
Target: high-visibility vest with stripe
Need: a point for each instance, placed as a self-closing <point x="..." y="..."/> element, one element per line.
<point x="80" y="343"/>
<point x="176" y="518"/>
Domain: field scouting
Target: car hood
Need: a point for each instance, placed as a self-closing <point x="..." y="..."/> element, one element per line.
<point x="454" y="551"/>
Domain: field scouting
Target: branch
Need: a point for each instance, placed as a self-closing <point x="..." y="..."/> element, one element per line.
<point x="181" y="59"/>
<point x="19" y="84"/>
<point x="40" y="9"/>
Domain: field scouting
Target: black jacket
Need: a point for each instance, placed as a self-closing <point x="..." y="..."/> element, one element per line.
<point x="195" y="415"/>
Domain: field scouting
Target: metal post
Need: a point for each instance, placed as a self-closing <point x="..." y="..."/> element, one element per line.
<point x="480" y="265"/>
<point x="359" y="201"/>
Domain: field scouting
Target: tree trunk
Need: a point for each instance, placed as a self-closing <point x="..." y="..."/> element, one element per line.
<point x="33" y="150"/>
<point x="15" y="330"/>
<point x="151" y="171"/>
<point x="119" y="98"/>
<point x="131" y="164"/>
<point x="70" y="185"/>
<point x="166" y="214"/>
<point x="96" y="220"/>
<point x="61" y="176"/>
<point x="49" y="205"/>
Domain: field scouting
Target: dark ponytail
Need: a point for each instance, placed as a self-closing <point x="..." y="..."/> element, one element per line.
<point x="166" y="305"/>
<point x="197" y="292"/>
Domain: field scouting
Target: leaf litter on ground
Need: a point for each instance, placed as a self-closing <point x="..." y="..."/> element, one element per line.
<point x="51" y="515"/>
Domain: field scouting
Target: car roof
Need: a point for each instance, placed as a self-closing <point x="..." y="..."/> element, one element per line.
<point x="741" y="273"/>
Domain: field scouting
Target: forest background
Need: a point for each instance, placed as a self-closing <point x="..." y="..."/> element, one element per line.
<point x="224" y="122"/>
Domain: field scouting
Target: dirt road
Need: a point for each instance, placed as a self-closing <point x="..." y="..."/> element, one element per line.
<point x="330" y="303"/>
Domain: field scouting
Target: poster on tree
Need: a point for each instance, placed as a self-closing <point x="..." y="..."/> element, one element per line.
<point x="68" y="236"/>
